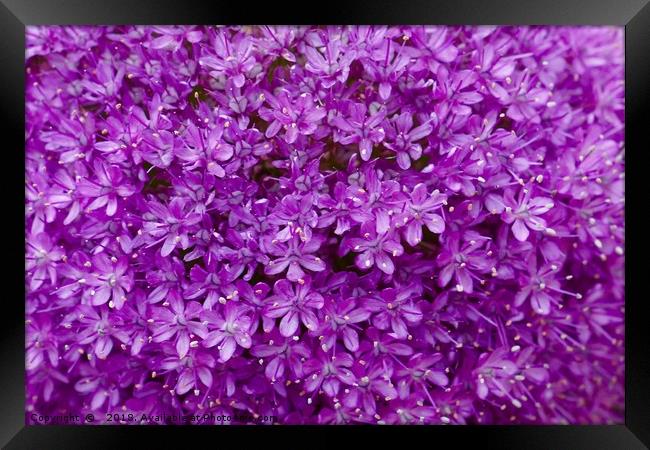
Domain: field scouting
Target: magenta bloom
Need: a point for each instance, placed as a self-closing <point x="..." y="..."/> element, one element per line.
<point x="294" y="304"/>
<point x="420" y="211"/>
<point x="298" y="117"/>
<point x="402" y="137"/>
<point x="41" y="257"/>
<point x="296" y="256"/>
<point x="112" y="281"/>
<point x="328" y="372"/>
<point x="98" y="328"/>
<point x="340" y="319"/>
<point x="229" y="331"/>
<point x="359" y="127"/>
<point x="110" y="185"/>
<point x="178" y="322"/>
<point x="464" y="258"/>
<point x="375" y="249"/>
<point x="523" y="212"/>
<point x="325" y="224"/>
<point x="171" y="225"/>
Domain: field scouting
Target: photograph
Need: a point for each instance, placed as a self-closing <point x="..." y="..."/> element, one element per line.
<point x="411" y="223"/>
<point x="325" y="225"/>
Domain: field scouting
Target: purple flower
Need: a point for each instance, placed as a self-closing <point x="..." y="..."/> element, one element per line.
<point x="296" y="217"/>
<point x="386" y="64"/>
<point x="230" y="329"/>
<point x="463" y="257"/>
<point x="234" y="59"/>
<point x="105" y="82"/>
<point x="255" y="297"/>
<point x="294" y="304"/>
<point x="205" y="148"/>
<point x="41" y="345"/>
<point x="439" y="213"/>
<point x="110" y="282"/>
<point x="95" y="383"/>
<point x="216" y="284"/>
<point x="327" y="58"/>
<point x="375" y="249"/>
<point x="172" y="38"/>
<point x="65" y="196"/>
<point x="359" y="126"/>
<point x="522" y="212"/>
<point x="41" y="258"/>
<point x="541" y="286"/>
<point x="376" y="201"/>
<point x="380" y="346"/>
<point x="135" y="313"/>
<point x="419" y="211"/>
<point x="327" y="372"/>
<point x="178" y="321"/>
<point x="419" y="373"/>
<point x="167" y="280"/>
<point x="341" y="317"/>
<point x="338" y="206"/>
<point x="493" y="372"/>
<point x="436" y="45"/>
<point x="523" y="99"/>
<point x="283" y="357"/>
<point x="99" y="328"/>
<point x="279" y="40"/>
<point x="170" y="224"/>
<point x="394" y="309"/>
<point x="299" y="116"/>
<point x="39" y="209"/>
<point x="402" y="138"/>
<point x="296" y="255"/>
<point x="458" y="88"/>
<point x="373" y="383"/>
<point x="194" y="371"/>
<point x="410" y="412"/>
<point x="110" y="185"/>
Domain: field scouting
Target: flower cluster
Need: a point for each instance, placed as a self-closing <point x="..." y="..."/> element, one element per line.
<point x="390" y="225"/>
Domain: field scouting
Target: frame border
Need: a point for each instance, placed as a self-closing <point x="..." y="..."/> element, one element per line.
<point x="633" y="14"/>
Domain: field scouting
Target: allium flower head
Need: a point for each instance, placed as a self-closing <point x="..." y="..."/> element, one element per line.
<point x="325" y="225"/>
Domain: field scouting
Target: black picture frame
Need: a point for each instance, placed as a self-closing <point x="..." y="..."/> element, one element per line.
<point x="16" y="14"/>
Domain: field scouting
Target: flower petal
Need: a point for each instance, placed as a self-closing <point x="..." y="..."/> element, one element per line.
<point x="519" y="230"/>
<point x="289" y="324"/>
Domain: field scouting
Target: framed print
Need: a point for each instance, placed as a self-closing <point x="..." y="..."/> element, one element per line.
<point x="408" y="220"/>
